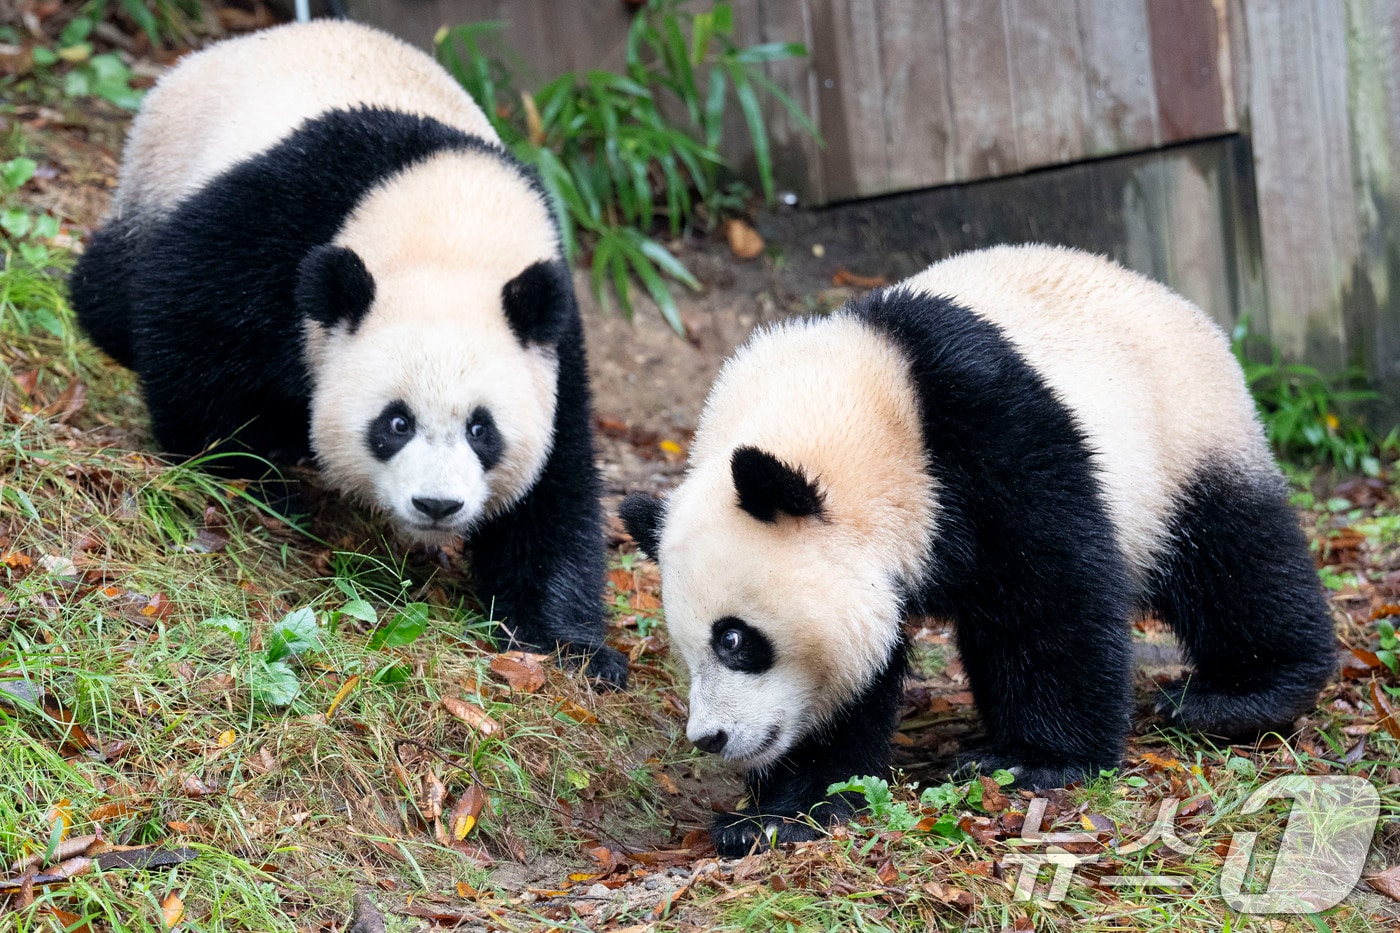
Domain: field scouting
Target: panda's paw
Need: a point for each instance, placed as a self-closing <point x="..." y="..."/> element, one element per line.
<point x="1029" y="773"/>
<point x="1195" y="705"/>
<point x="607" y="665"/>
<point x="736" y="834"/>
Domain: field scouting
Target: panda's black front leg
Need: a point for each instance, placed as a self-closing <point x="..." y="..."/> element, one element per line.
<point x="1048" y="655"/>
<point x="539" y="566"/>
<point x="787" y="800"/>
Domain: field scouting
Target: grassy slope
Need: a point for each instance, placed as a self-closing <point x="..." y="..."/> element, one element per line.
<point x="124" y="712"/>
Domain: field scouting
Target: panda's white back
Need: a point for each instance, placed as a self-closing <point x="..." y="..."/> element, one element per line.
<point x="1147" y="374"/>
<point x="238" y="98"/>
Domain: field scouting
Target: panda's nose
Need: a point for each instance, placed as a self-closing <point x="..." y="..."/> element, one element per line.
<point x="437" y="509"/>
<point x="713" y="743"/>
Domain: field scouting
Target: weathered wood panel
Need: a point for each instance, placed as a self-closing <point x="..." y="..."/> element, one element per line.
<point x="1190" y="65"/>
<point x="1372" y="291"/>
<point x="917" y="109"/>
<point x="1118" y="73"/>
<point x="1047" y="81"/>
<point x="1298" y="177"/>
<point x="979" y="84"/>
<point x="913" y="93"/>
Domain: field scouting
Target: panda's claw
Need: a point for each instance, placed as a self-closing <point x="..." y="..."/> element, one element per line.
<point x="737" y="834"/>
<point x="609" y="666"/>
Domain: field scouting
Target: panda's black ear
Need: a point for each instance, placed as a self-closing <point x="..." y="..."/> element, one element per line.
<point x="767" y="486"/>
<point x="333" y="285"/>
<point x="539" y="302"/>
<point x="642" y="516"/>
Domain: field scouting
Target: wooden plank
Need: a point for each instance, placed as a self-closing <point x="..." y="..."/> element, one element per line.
<point x="1197" y="236"/>
<point x="917" y="109"/>
<point x="1047" y="80"/>
<point x="1122" y="96"/>
<point x="846" y="39"/>
<point x="1189" y="48"/>
<point x="1373" y="291"/>
<point x="1292" y="177"/>
<point x="980" y="91"/>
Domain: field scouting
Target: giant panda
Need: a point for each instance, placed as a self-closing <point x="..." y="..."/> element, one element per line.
<point x="318" y="245"/>
<point x="1032" y="442"/>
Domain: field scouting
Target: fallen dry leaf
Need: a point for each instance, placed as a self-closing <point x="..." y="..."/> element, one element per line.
<point x="844" y="278"/>
<point x="472" y="715"/>
<point x="993" y="800"/>
<point x="576" y="713"/>
<point x="744" y="241"/>
<point x="114" y="810"/>
<point x="1387" y="882"/>
<point x="342" y="693"/>
<point x="467" y="809"/>
<point x="1385" y="711"/>
<point x="522" y="671"/>
<point x="887" y="873"/>
<point x="172" y="910"/>
<point x="434" y="793"/>
<point x="69" y="848"/>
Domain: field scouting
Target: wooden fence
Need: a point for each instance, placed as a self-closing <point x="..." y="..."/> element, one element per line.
<point x="916" y="94"/>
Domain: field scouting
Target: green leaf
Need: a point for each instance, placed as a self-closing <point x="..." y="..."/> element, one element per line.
<point x="77" y="30"/>
<point x="396" y="673"/>
<point x="143" y="18"/>
<point x="45" y="227"/>
<point x="15" y="173"/>
<point x="758" y="132"/>
<point x="668" y="262"/>
<point x="406" y="627"/>
<point x="770" y="52"/>
<point x="44" y="56"/>
<point x="233" y="628"/>
<point x="274" y="683"/>
<point x="16" y="222"/>
<point x="360" y="609"/>
<point x="297" y="632"/>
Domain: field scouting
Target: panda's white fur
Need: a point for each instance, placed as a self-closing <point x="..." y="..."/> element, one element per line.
<point x="239" y="97"/>
<point x="435" y="337"/>
<point x="1031" y="441"/>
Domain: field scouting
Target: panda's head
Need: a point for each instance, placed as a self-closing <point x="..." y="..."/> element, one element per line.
<point x="776" y="606"/>
<point x="434" y="386"/>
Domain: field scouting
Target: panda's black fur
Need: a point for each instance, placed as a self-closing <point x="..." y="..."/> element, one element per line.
<point x="202" y="302"/>
<point x="1025" y="562"/>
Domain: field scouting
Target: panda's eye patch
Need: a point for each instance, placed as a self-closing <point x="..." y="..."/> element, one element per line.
<point x="390" y="431"/>
<point x="741" y="647"/>
<point x="485" y="440"/>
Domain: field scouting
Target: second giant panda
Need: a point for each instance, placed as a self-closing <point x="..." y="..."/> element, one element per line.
<point x="1032" y="442"/>
<point x="319" y="245"/>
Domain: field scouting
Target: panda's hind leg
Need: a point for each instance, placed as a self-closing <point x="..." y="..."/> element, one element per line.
<point x="1237" y="585"/>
